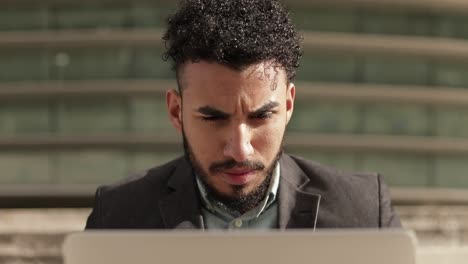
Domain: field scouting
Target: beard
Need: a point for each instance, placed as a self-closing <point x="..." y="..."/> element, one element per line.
<point x="240" y="201"/>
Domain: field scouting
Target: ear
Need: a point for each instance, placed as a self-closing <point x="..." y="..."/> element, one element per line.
<point x="174" y="108"/>
<point x="290" y="96"/>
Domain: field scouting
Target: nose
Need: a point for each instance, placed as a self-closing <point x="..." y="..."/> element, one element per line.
<point x="238" y="145"/>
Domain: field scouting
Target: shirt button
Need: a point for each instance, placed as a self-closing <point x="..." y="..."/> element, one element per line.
<point x="238" y="223"/>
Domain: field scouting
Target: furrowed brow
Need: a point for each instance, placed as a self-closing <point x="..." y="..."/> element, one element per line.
<point x="265" y="108"/>
<point x="210" y="111"/>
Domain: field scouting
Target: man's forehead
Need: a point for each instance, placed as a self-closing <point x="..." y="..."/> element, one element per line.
<point x="266" y="72"/>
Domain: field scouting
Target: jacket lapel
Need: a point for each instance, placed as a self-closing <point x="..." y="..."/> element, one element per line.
<point x="297" y="208"/>
<point x="181" y="208"/>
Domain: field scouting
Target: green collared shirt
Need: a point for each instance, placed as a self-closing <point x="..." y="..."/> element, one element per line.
<point x="264" y="216"/>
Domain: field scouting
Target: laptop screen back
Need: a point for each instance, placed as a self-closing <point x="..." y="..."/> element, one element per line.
<point x="298" y="247"/>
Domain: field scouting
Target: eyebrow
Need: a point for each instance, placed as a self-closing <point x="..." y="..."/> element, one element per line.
<point x="211" y="111"/>
<point x="265" y="108"/>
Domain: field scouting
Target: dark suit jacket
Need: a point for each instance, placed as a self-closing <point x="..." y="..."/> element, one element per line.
<point x="310" y="195"/>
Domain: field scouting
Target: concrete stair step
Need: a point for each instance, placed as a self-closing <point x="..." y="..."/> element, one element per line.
<point x="25" y="248"/>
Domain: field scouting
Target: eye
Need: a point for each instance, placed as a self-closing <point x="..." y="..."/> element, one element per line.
<point x="212" y="118"/>
<point x="263" y="115"/>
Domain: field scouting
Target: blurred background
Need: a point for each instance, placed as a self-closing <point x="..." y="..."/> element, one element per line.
<point x="382" y="87"/>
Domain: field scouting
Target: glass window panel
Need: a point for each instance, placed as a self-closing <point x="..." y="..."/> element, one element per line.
<point x="148" y="64"/>
<point x="325" y="19"/>
<point x="327" y="68"/>
<point x="149" y="115"/>
<point x="91" y="16"/>
<point x="25" y="168"/>
<point x="22" y="19"/>
<point x="92" y="116"/>
<point x="83" y="64"/>
<point x="315" y="117"/>
<point x="453" y="75"/>
<point x="451" y="122"/>
<point x="397" y="24"/>
<point x="24" y="117"/>
<point x="451" y="171"/>
<point x="147" y="160"/>
<point x="22" y="65"/>
<point x="452" y="26"/>
<point x="396" y="120"/>
<point x="399" y="169"/>
<point x="91" y="167"/>
<point x="152" y="16"/>
<point x="340" y="161"/>
<point x="396" y="71"/>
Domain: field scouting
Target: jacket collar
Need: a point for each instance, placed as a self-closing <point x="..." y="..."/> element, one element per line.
<point x="181" y="209"/>
<point x="298" y="208"/>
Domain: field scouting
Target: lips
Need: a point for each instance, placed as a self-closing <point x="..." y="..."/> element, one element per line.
<point x="238" y="171"/>
<point x="238" y="176"/>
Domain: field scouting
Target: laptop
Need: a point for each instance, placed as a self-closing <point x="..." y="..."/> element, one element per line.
<point x="214" y="247"/>
<point x="442" y="255"/>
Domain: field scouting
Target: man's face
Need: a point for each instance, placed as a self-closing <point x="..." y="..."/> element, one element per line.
<point x="233" y="122"/>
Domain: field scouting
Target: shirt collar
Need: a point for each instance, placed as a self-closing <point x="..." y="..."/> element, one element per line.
<point x="222" y="211"/>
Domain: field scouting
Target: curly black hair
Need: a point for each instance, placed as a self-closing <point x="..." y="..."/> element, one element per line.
<point x="236" y="33"/>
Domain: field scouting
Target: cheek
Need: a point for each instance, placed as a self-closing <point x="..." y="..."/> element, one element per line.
<point x="267" y="140"/>
<point x="204" y="141"/>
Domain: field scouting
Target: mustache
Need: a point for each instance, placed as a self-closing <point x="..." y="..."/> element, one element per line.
<point x="229" y="164"/>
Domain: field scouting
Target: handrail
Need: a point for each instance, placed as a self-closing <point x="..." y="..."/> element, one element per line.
<point x="311" y="91"/>
<point x="294" y="141"/>
<point x="377" y="143"/>
<point x="47" y="195"/>
<point x="385" y="94"/>
<point x="82" y="196"/>
<point x="108" y="141"/>
<point x="45" y="90"/>
<point x="348" y="44"/>
<point x="76" y="38"/>
<point x="429" y="196"/>
<point x="30" y="3"/>
<point x="433" y="6"/>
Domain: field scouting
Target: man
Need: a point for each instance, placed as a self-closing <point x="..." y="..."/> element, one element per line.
<point x="235" y="62"/>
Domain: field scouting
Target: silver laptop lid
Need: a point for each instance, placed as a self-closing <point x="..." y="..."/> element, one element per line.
<point x="298" y="247"/>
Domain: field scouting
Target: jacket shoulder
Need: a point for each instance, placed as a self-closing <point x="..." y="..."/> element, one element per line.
<point x="126" y="203"/>
<point x="348" y="199"/>
<point x="330" y="175"/>
<point x="156" y="176"/>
